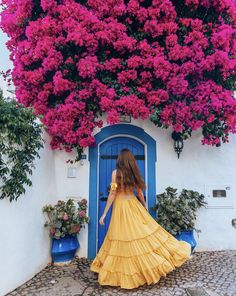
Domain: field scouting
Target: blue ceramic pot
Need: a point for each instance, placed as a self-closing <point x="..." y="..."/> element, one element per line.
<point x="63" y="250"/>
<point x="187" y="236"/>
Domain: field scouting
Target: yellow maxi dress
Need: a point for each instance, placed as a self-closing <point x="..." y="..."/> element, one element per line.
<point x="136" y="249"/>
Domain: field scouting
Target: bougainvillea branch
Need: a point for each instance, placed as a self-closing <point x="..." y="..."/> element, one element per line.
<point x="171" y="61"/>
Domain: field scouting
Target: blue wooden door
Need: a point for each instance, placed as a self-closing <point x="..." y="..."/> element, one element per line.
<point x="109" y="151"/>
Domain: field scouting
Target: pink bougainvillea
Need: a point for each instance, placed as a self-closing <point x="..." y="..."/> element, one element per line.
<point x="171" y="61"/>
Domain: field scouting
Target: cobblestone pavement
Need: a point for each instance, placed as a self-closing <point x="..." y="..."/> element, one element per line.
<point x="215" y="272"/>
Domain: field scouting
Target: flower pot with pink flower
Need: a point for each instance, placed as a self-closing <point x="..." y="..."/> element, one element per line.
<point x="65" y="221"/>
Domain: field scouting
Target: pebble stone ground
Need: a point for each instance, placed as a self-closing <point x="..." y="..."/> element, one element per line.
<point x="215" y="272"/>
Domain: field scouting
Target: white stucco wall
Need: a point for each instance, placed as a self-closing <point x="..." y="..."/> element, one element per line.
<point x="25" y="243"/>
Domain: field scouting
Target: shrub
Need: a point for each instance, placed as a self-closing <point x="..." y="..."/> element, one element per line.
<point x="178" y="212"/>
<point x="65" y="218"/>
<point x="20" y="140"/>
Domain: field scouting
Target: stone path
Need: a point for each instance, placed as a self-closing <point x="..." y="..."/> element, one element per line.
<point x="207" y="273"/>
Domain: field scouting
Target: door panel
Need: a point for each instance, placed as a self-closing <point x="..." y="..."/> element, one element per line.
<point x="107" y="163"/>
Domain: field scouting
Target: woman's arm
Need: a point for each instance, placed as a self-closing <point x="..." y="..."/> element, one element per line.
<point x="141" y="198"/>
<point x="110" y="198"/>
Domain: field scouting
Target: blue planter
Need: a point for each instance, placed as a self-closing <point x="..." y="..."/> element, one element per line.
<point x="64" y="249"/>
<point x="187" y="236"/>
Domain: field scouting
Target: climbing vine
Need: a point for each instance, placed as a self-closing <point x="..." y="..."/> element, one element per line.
<point x="171" y="61"/>
<point x="20" y="140"/>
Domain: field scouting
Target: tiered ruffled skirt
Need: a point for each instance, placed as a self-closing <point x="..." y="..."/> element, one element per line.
<point x="136" y="249"/>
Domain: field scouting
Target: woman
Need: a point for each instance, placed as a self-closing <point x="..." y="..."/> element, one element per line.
<point x="136" y="249"/>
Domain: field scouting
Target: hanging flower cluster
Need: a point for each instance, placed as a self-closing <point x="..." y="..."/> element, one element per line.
<point x="171" y="61"/>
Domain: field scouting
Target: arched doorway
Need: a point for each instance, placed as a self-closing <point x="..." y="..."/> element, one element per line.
<point x="102" y="159"/>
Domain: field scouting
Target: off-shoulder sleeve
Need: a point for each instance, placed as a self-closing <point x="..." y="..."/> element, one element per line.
<point x="113" y="186"/>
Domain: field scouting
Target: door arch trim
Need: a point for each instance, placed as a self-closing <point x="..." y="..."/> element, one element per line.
<point x="105" y="133"/>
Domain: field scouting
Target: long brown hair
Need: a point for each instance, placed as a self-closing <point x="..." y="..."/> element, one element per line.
<point x="127" y="172"/>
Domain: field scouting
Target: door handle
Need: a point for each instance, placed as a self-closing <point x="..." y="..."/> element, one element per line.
<point x="103" y="198"/>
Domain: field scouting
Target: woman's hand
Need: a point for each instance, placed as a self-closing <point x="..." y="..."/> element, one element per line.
<point x="101" y="221"/>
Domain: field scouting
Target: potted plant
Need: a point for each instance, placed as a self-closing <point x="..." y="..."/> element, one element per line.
<point x="177" y="212"/>
<point x="65" y="221"/>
